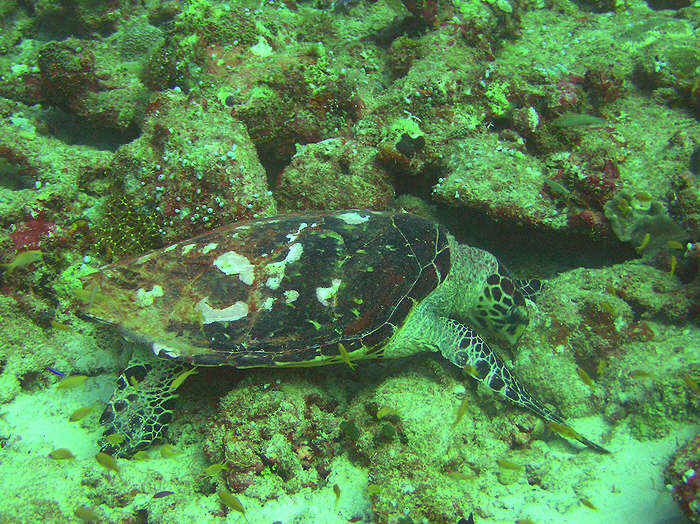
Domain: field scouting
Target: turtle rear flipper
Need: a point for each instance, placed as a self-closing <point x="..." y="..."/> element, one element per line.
<point x="140" y="408"/>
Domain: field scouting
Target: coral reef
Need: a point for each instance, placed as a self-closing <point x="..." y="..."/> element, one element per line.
<point x="682" y="477"/>
<point x="562" y="137"/>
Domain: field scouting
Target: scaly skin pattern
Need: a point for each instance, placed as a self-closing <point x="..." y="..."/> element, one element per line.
<point x="477" y="292"/>
<point x="307" y="290"/>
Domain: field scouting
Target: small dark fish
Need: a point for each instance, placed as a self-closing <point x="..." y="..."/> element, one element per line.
<point x="162" y="494"/>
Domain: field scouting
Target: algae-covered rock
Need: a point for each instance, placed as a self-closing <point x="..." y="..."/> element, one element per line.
<point x="486" y="174"/>
<point x="334" y="174"/>
<point x="192" y="169"/>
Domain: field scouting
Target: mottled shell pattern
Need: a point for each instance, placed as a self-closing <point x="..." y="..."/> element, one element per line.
<point x="297" y="289"/>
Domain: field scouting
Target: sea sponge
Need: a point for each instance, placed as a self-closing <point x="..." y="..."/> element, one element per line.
<point x="633" y="217"/>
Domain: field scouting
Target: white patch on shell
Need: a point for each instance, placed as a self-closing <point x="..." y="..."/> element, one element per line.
<point x="235" y="311"/>
<point x="267" y="305"/>
<point x="353" y="218"/>
<point x="290" y="296"/>
<point x="169" y="248"/>
<point x="295" y="251"/>
<point x="293" y="236"/>
<point x="276" y="269"/>
<point x="231" y="263"/>
<point x="145" y="298"/>
<point x="209" y="247"/>
<point x="326" y="294"/>
<point x="274" y="281"/>
<point x="187" y="248"/>
<point x="160" y="350"/>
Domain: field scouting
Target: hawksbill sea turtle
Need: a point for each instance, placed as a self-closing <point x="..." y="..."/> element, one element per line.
<point x="305" y="289"/>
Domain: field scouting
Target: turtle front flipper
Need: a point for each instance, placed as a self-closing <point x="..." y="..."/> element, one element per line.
<point x="140" y="408"/>
<point x="467" y="350"/>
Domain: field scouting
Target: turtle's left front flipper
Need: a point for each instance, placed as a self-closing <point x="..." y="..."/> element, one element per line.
<point x="467" y="350"/>
<point x="140" y="408"/>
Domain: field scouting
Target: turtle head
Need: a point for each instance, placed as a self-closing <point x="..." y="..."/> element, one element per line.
<point x="501" y="307"/>
<point x="485" y="295"/>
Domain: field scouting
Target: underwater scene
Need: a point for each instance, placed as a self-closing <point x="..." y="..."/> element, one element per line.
<point x="350" y="261"/>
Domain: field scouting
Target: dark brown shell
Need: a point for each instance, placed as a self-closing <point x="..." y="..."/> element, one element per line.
<point x="286" y="290"/>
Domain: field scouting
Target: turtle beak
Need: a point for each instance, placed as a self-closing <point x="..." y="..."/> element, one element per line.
<point x="517" y="315"/>
<point x="517" y="320"/>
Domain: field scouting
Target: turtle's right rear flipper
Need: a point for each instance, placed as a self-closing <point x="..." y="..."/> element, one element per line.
<point x="141" y="407"/>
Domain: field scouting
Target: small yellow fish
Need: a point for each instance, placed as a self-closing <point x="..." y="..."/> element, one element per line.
<point x="524" y="521"/>
<point x="114" y="439"/>
<point x="644" y="243"/>
<point x="674" y="244"/>
<point x="691" y="382"/>
<point x="181" y="378"/>
<point x="507" y="464"/>
<point x="640" y="373"/>
<point x="607" y="307"/>
<point x="81" y="413"/>
<point x="373" y="489"/>
<point x="564" y="430"/>
<point x="463" y="408"/>
<point x="133" y="381"/>
<point x="61" y="454"/>
<point x="336" y="490"/>
<point x="470" y="370"/>
<point x="458" y="475"/>
<point x="141" y="455"/>
<point x="168" y="451"/>
<point x="107" y="461"/>
<point x="59" y="326"/>
<point x="22" y="260"/>
<point x="215" y="469"/>
<point x="73" y="381"/>
<point x="578" y="120"/>
<point x="232" y="502"/>
<point x="585" y="377"/>
<point x="568" y="432"/>
<point x="588" y="504"/>
<point x="79" y="224"/>
<point x="89" y="295"/>
<point x="345" y="355"/>
<point x="86" y="514"/>
<point x="674" y="263"/>
<point x="386" y="412"/>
